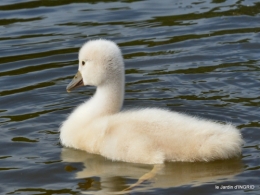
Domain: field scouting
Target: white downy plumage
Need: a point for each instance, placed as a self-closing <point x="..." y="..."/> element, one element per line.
<point x="149" y="135"/>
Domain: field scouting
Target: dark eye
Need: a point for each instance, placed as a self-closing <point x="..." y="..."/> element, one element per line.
<point x="83" y="63"/>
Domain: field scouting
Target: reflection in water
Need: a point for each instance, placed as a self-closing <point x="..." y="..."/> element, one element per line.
<point x="102" y="176"/>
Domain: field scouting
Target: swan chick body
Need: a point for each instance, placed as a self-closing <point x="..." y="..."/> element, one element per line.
<point x="149" y="135"/>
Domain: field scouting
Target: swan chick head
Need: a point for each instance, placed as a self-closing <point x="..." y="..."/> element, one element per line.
<point x="100" y="63"/>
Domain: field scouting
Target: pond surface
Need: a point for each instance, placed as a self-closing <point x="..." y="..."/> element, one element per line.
<point x="199" y="57"/>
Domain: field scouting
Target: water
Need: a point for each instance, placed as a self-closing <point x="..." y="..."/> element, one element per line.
<point x="198" y="57"/>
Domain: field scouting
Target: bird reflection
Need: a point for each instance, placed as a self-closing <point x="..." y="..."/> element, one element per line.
<point x="103" y="176"/>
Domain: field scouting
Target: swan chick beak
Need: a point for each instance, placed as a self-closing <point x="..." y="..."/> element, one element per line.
<point x="77" y="81"/>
